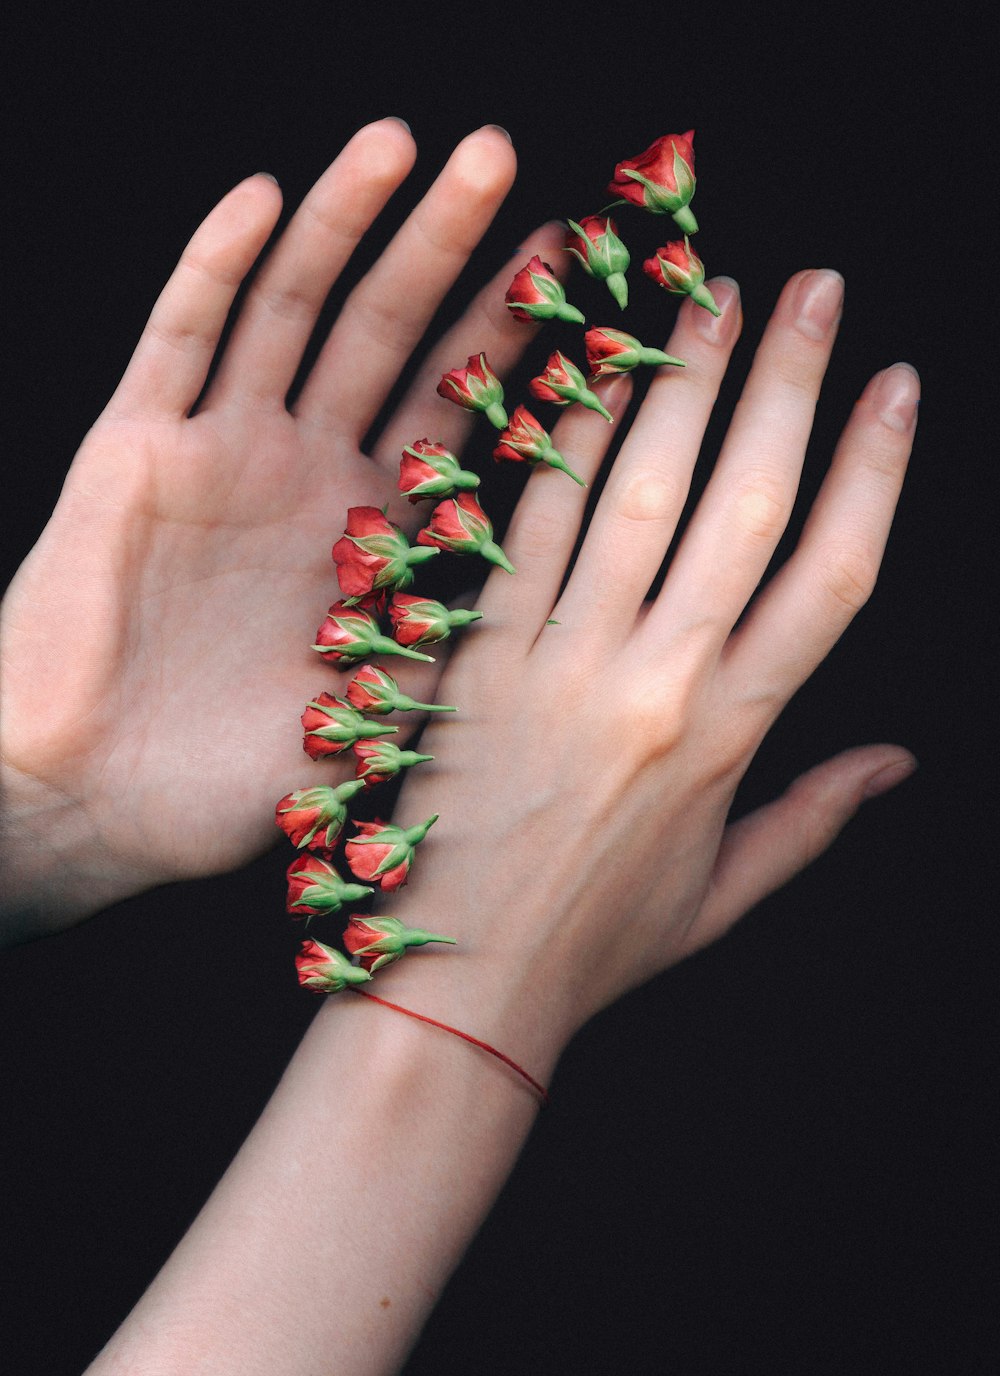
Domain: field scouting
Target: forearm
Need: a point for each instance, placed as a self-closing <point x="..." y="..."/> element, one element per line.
<point x="334" y="1231"/>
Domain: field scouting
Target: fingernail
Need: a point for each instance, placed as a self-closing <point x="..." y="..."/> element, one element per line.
<point x="896" y="394"/>
<point x="500" y="130"/>
<point x="818" y="301"/>
<point x="612" y="390"/>
<point x="269" y="175"/>
<point x="398" y="119"/>
<point x="727" y="297"/>
<point x="889" y="776"/>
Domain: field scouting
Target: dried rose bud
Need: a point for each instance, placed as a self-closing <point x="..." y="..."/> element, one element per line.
<point x="461" y="525"/>
<point x="351" y="633"/>
<point x="678" y="268"/>
<point x="596" y="243"/>
<point x="373" y="689"/>
<point x="315" y="887"/>
<point x="477" y="388"/>
<point x="430" y="470"/>
<point x="422" y="621"/>
<point x="537" y="294"/>
<point x="332" y="725"/>
<point x="614" y="351"/>
<point x="326" y="971"/>
<point x="661" y="179"/>
<point x="378" y="941"/>
<point x="562" y="383"/>
<point x="315" y="817"/>
<point x="373" y="554"/>
<point x="525" y="440"/>
<point x="383" y="853"/>
<point x="381" y="760"/>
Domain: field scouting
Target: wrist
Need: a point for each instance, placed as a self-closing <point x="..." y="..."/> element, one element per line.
<point x="483" y="989"/>
<point x="54" y="867"/>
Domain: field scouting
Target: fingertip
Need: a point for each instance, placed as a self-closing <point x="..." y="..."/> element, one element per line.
<point x="485" y="159"/>
<point x="889" y="774"/>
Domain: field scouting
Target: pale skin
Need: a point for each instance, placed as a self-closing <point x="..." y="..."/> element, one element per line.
<point x="590" y="770"/>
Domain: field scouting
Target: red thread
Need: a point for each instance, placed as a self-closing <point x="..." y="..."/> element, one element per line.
<point x="466" y="1037"/>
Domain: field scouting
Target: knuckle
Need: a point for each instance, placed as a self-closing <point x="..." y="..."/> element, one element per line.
<point x="847" y="575"/>
<point x="762" y="505"/>
<point x="647" y="495"/>
<point x="539" y="529"/>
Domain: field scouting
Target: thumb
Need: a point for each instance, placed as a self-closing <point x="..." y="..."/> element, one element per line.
<point x="768" y="847"/>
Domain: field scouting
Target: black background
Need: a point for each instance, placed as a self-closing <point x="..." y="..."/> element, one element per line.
<point x="773" y="1158"/>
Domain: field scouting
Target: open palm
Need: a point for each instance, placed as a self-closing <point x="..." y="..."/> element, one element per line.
<point x="156" y="640"/>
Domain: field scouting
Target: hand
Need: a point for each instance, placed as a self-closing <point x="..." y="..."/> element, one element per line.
<point x="156" y="641"/>
<point x="582" y="845"/>
<point x="599" y="756"/>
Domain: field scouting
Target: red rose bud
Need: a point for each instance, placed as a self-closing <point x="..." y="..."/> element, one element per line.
<point x="326" y="971"/>
<point x="383" y="853"/>
<point x="524" y="439"/>
<point x="381" y="760"/>
<point x="332" y="725"/>
<point x="596" y="243"/>
<point x="461" y="525"/>
<point x="315" y="887"/>
<point x="373" y="554"/>
<point x="373" y="689"/>
<point x="477" y="388"/>
<point x="422" y="621"/>
<point x="430" y="470"/>
<point x="537" y="294"/>
<point x="351" y="633"/>
<point x="562" y="383"/>
<point x="378" y="941"/>
<point x="315" y="817"/>
<point x="661" y="179"/>
<point x="678" y="268"/>
<point x="614" y="351"/>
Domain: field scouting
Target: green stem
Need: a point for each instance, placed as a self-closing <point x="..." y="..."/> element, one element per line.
<point x="618" y="287"/>
<point x="685" y="219"/>
<point x="593" y="403"/>
<point x="382" y="645"/>
<point x="555" y="460"/>
<point x="490" y="550"/>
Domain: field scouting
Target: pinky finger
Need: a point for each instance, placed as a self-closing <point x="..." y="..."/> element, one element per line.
<point x="171" y="361"/>
<point x="770" y="846"/>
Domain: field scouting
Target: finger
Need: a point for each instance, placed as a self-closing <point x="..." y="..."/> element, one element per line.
<point x="168" y="369"/>
<point x="799" y="617"/>
<point x="488" y="327"/>
<point x="770" y="846"/>
<point x="389" y="310"/>
<point x="745" y="507"/>
<point x="281" y="308"/>
<point x="645" y="493"/>
<point x="546" y="520"/>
